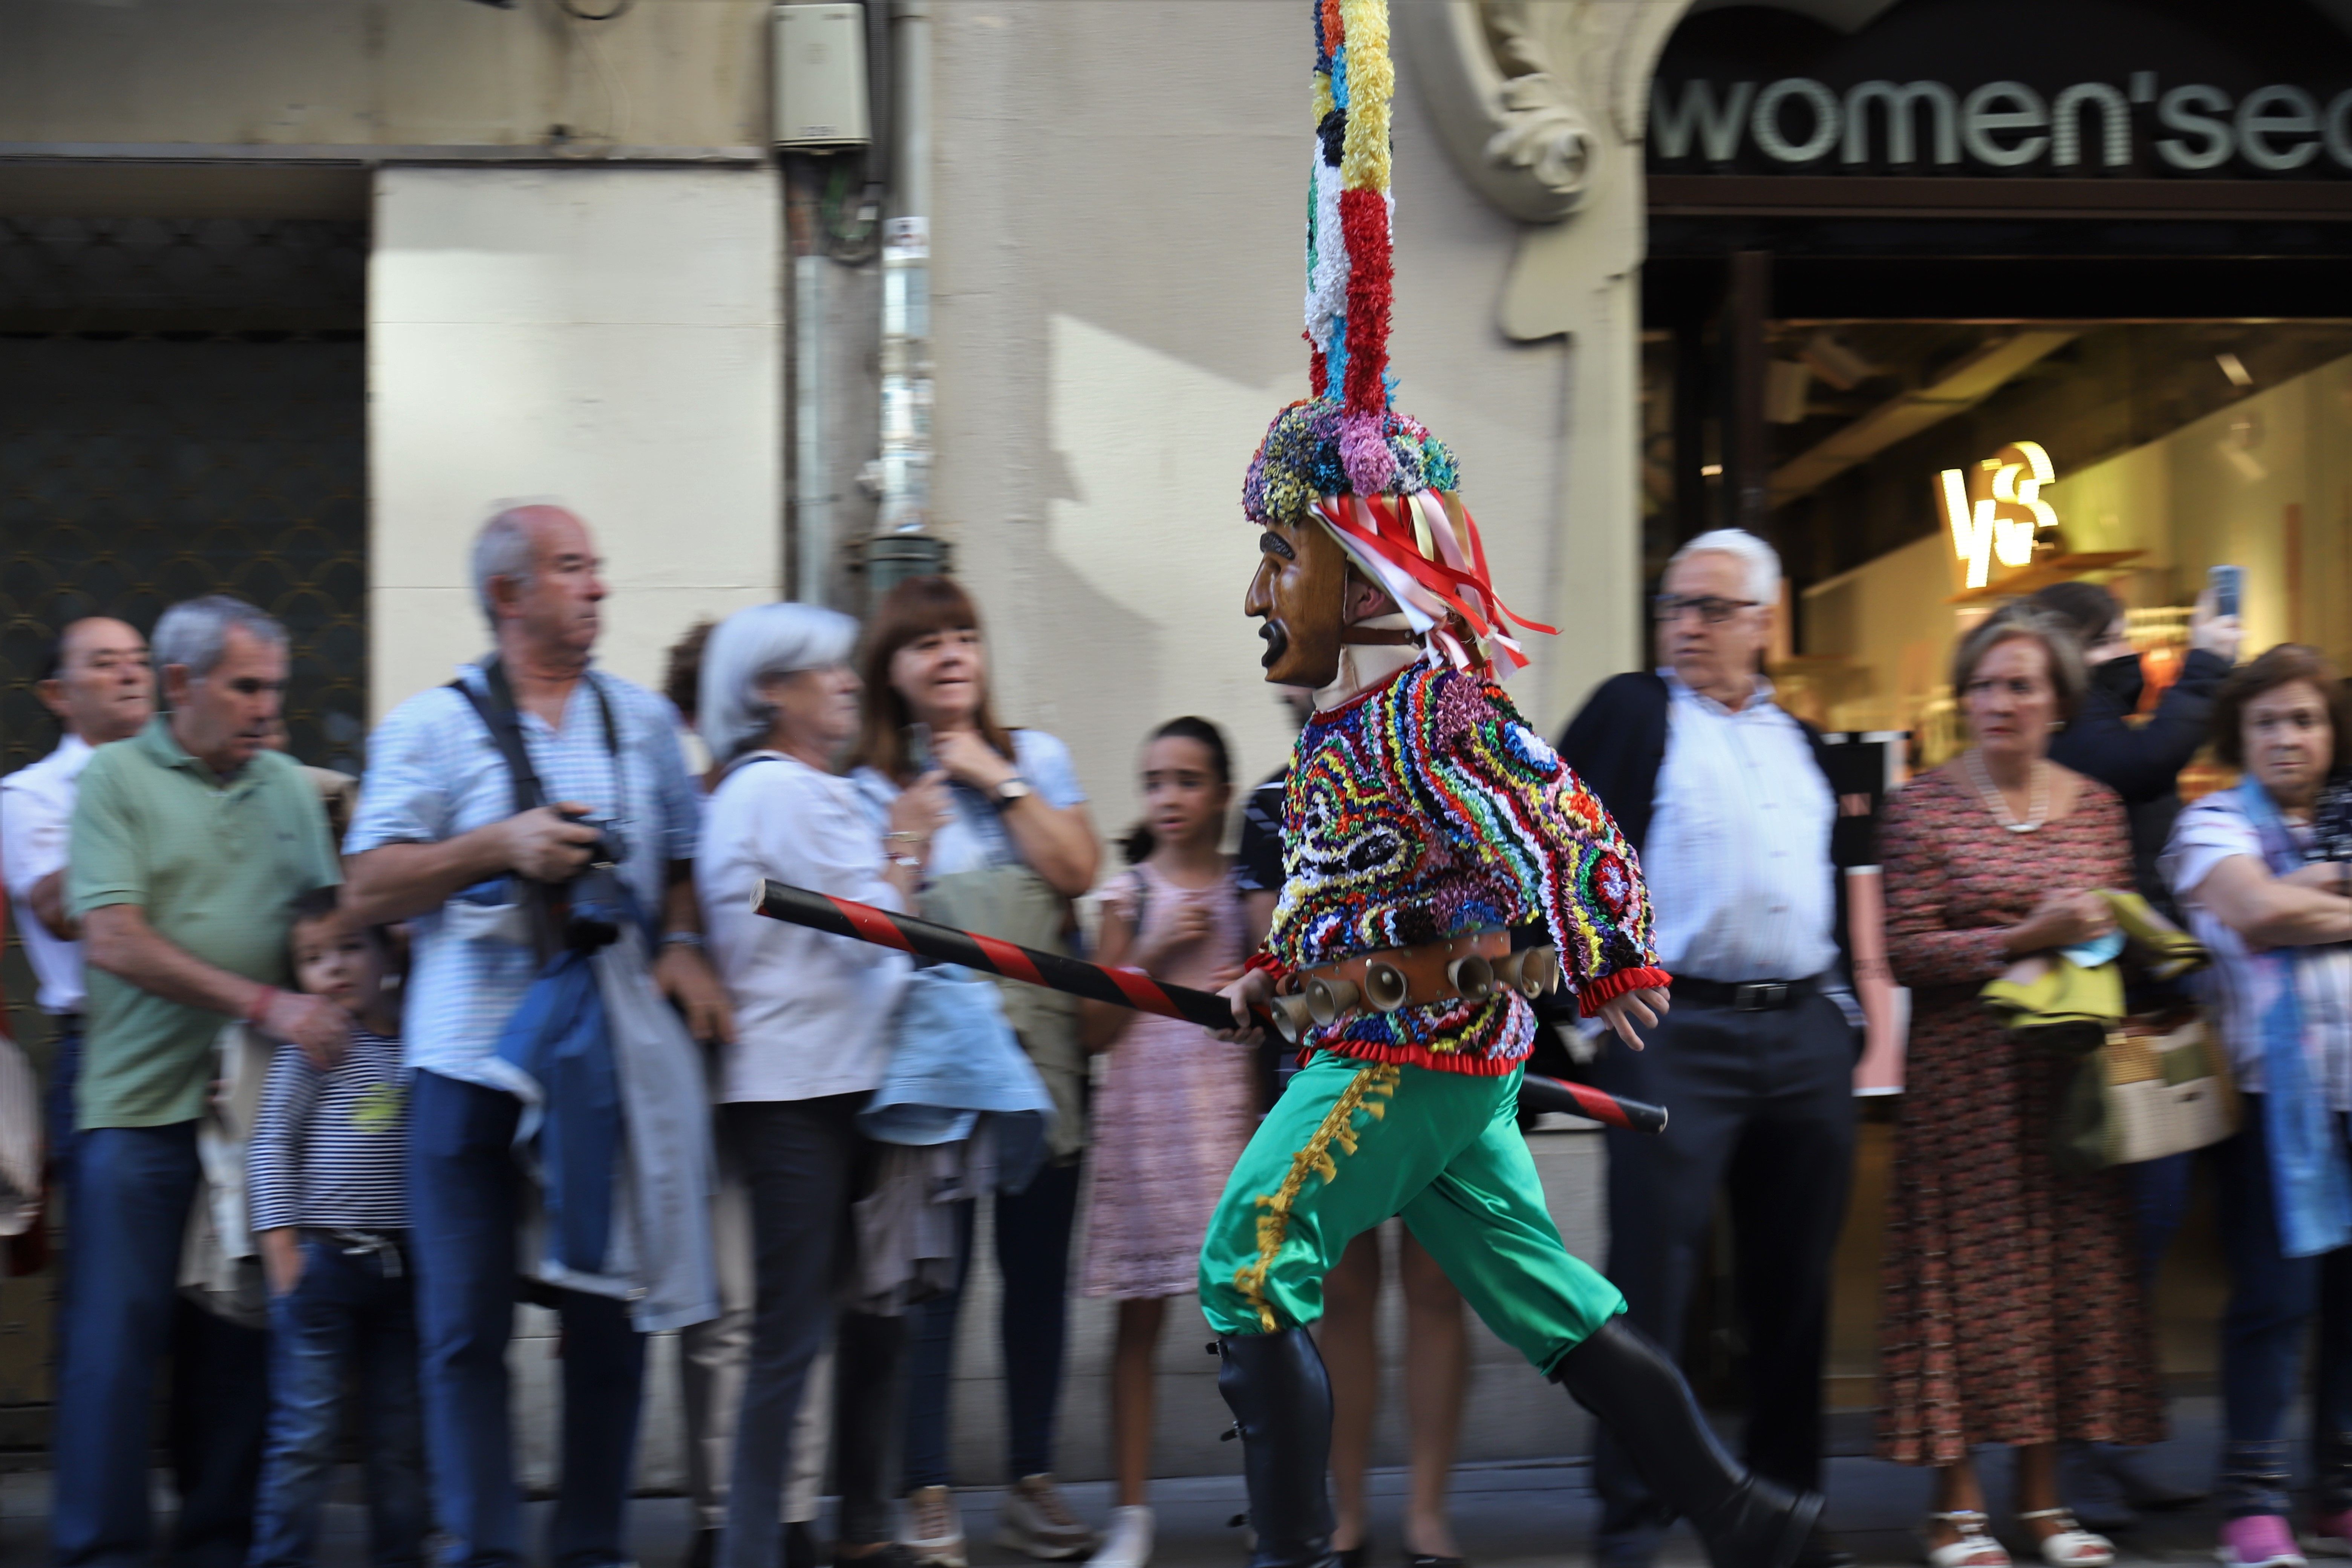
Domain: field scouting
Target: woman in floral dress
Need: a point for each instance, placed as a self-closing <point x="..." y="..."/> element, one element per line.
<point x="2013" y="1310"/>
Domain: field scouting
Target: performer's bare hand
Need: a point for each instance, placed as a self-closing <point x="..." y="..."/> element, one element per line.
<point x="1645" y="1006"/>
<point x="1252" y="991"/>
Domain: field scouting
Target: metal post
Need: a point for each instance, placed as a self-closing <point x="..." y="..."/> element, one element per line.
<point x="813" y="545"/>
<point x="904" y="546"/>
<point x="911" y="104"/>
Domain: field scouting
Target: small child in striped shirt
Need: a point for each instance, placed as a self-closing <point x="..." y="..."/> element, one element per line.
<point x="324" y="1184"/>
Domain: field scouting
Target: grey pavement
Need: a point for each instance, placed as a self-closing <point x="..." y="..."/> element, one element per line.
<point x="1505" y="1514"/>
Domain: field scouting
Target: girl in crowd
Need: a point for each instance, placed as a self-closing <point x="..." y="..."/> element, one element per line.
<point x="1016" y="847"/>
<point x="2014" y="1310"/>
<point x="2266" y="887"/>
<point x="1177" y="1104"/>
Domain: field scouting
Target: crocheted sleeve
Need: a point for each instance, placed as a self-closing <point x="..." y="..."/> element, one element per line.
<point x="1512" y="804"/>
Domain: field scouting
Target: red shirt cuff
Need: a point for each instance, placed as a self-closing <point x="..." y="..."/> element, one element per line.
<point x="1593" y="993"/>
<point x="1268" y="963"/>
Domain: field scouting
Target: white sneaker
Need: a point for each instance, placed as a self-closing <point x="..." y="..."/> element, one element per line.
<point x="932" y="1530"/>
<point x="1034" y="1520"/>
<point x="1127" y="1543"/>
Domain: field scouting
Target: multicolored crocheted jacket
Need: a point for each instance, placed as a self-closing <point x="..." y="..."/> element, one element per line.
<point x="1425" y="808"/>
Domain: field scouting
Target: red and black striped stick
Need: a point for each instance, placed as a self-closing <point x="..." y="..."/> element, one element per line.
<point x="1102" y="982"/>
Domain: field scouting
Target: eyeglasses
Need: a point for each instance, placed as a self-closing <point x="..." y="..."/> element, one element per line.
<point x="1711" y="610"/>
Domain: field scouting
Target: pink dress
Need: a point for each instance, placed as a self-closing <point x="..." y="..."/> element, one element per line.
<point x="1175" y="1108"/>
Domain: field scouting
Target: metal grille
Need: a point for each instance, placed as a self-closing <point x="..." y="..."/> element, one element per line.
<point x="209" y="274"/>
<point x="183" y="411"/>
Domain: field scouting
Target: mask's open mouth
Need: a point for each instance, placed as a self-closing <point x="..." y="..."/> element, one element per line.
<point x="1277" y="643"/>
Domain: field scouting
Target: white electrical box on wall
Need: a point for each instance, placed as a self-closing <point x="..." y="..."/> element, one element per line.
<point x="821" y="76"/>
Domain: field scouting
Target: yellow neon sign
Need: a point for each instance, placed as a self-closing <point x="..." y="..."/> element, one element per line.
<point x="1982" y="534"/>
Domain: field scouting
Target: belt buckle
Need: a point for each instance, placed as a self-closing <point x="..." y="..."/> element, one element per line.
<point x="1760" y="997"/>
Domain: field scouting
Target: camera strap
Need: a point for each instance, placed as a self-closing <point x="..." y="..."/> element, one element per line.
<point x="499" y="717"/>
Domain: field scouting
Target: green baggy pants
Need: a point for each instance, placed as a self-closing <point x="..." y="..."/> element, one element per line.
<point x="1350" y="1143"/>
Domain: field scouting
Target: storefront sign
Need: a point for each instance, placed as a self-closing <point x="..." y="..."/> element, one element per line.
<point x="1995" y="508"/>
<point x="2260" y="89"/>
<point x="2002" y="125"/>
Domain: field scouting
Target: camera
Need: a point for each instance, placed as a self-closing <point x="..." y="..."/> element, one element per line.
<point x="594" y="904"/>
<point x="611" y="848"/>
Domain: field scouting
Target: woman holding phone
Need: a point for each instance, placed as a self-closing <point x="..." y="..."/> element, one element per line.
<point x="1016" y="847"/>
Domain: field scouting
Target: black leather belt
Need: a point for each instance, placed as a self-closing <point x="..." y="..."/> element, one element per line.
<point x="1747" y="996"/>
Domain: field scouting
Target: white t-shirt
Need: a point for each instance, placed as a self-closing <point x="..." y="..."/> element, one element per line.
<point x="36" y="805"/>
<point x="812" y="1010"/>
<point x="977" y="838"/>
<point x="2208" y="833"/>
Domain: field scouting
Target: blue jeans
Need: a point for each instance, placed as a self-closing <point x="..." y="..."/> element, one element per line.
<point x="1033" y="1253"/>
<point x="2160" y="1203"/>
<point x="349" y="1315"/>
<point x="2272" y="1301"/>
<point x="65" y="1072"/>
<point x="463" y="1193"/>
<point x="132" y="1188"/>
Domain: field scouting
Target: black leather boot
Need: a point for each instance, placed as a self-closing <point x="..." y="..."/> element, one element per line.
<point x="1281" y="1402"/>
<point x="1634" y="1388"/>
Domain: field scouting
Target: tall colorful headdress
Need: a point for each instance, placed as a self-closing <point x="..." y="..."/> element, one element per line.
<point x="1377" y="478"/>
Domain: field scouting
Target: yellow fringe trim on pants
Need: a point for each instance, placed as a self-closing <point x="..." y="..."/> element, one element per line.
<point x="1365" y="1092"/>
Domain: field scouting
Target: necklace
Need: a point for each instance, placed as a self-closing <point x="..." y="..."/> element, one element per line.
<point x="2038" y="793"/>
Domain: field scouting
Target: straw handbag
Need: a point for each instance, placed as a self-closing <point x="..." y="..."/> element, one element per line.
<point x="2158" y="1085"/>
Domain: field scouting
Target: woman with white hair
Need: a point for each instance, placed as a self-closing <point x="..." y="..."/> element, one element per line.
<point x="778" y="701"/>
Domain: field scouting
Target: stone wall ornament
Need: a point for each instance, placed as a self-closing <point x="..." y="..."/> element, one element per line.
<point x="1494" y="76"/>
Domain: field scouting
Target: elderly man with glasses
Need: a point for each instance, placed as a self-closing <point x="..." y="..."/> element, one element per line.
<point x="1726" y="799"/>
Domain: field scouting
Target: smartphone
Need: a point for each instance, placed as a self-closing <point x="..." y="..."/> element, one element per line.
<point x="918" y="748"/>
<point x="2228" y="584"/>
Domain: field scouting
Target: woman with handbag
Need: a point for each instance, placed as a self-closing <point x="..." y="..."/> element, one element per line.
<point x="779" y="703"/>
<point x="1015" y="849"/>
<point x="2252" y="870"/>
<point x="2012" y="1311"/>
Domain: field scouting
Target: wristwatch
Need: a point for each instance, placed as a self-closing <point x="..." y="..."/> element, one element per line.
<point x="1012" y="789"/>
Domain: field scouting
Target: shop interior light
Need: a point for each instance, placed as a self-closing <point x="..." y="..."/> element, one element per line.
<point x="2235" y="369"/>
<point x="1971" y="530"/>
<point x="1980" y="533"/>
<point x="2020" y="484"/>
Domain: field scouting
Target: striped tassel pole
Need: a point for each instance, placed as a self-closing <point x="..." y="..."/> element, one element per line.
<point x="1119" y="987"/>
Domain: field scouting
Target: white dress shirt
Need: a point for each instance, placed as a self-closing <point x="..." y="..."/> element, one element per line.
<point x="812" y="1010"/>
<point x="1738" y="858"/>
<point x="37" y="806"/>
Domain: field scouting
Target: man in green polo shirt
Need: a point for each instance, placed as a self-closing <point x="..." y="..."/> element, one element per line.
<point x="191" y="841"/>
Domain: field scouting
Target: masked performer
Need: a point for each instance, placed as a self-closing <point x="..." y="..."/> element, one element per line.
<point x="1423" y="820"/>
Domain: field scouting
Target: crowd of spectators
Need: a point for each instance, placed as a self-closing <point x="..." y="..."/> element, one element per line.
<point x="523" y="1039"/>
